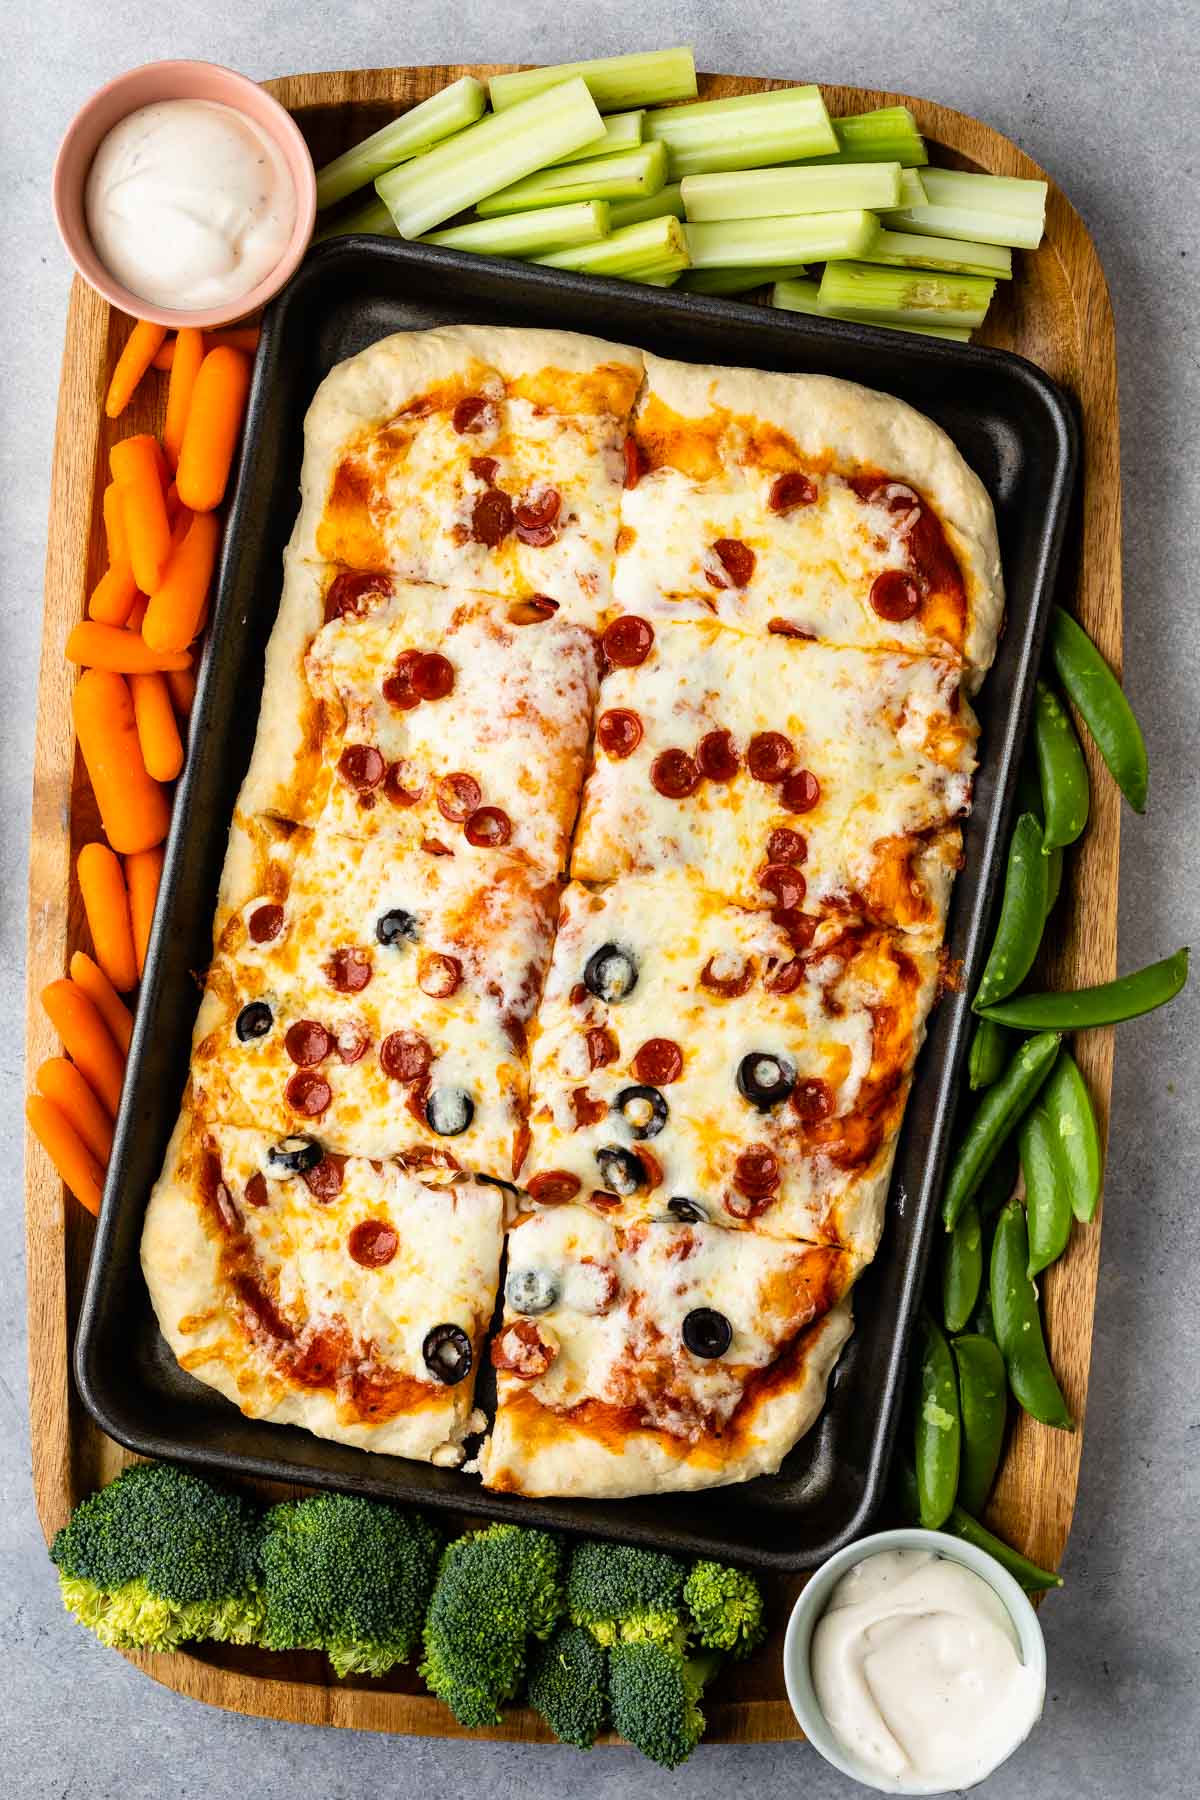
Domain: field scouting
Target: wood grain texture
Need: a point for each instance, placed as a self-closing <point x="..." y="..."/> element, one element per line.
<point x="1057" y="314"/>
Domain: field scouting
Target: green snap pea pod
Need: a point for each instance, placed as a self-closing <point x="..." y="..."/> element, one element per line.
<point x="1029" y="787"/>
<point x="1069" y="1108"/>
<point x="1054" y="875"/>
<point x="960" y="1524"/>
<point x="936" y="1442"/>
<point x="1022" y="915"/>
<point x="983" y="1401"/>
<point x="994" y="1118"/>
<point x="1101" y="702"/>
<point x="1019" y="1323"/>
<point x="1080" y="1008"/>
<point x="962" y="1269"/>
<point x="1047" y="1196"/>
<point x="1066" y="792"/>
<point x="997" y="1186"/>
<point x="982" y="1323"/>
<point x="988" y="1054"/>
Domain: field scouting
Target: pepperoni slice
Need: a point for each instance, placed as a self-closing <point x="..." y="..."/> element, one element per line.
<point x="349" y="595"/>
<point x="737" y="564"/>
<point x="674" y="774"/>
<point x="587" y="1109"/>
<point x="520" y="1349"/>
<point x="373" y="1243"/>
<point x="405" y="1056"/>
<point x="439" y="976"/>
<point x="716" y="756"/>
<point x="786" y="884"/>
<point x="484" y="468"/>
<point x="348" y="971"/>
<point x="790" y="491"/>
<point x="399" y="786"/>
<point x="361" y="767"/>
<point x="747" y="1206"/>
<point x="488" y="827"/>
<point x="256" y="1190"/>
<point x="532" y="609"/>
<point x="784" y="846"/>
<point x="434" y="847"/>
<point x="785" y="628"/>
<point x="628" y="641"/>
<point x="812" y="1100"/>
<point x="308" y="1043"/>
<point x="398" y="688"/>
<point x="324" y="1179"/>
<point x="635" y="468"/>
<point x="457" y="797"/>
<point x="895" y="596"/>
<point x="492" y="518"/>
<point x="800" y="927"/>
<point x="727" y="974"/>
<point x="769" y="756"/>
<point x="433" y="676"/>
<point x="265" y="923"/>
<point x="601" y="1047"/>
<point x="931" y="556"/>
<point x="618" y="732"/>
<point x="308" y="1093"/>
<point x="553" y="1187"/>
<point x="473" y="414"/>
<point x="799" y="791"/>
<point x="785" y="978"/>
<point x="537" y="510"/>
<point x="659" y="1061"/>
<point x="756" y="1170"/>
<point x="352" y="1042"/>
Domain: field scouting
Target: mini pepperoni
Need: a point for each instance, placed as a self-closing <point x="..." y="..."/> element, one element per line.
<point x="352" y="1043"/>
<point x="488" y="827"/>
<point x="307" y="1043"/>
<point x="790" y="491"/>
<point x="457" y="797"/>
<point x="628" y="641"/>
<point x="361" y="767"/>
<point x="784" y="846"/>
<point x="785" y="628"/>
<point x="769" y="756"/>
<point x="895" y="596"/>
<point x="349" y="595"/>
<point x="348" y="971"/>
<point x="659" y="1061"/>
<point x="756" y="1170"/>
<point x="538" y="509"/>
<point x="716" y="756"/>
<point x="405" y="1056"/>
<point x="256" y="1190"/>
<point x="737" y="564"/>
<point x="799" y="791"/>
<point x="748" y="1206"/>
<point x="587" y="1109"/>
<point x="372" y="1243"/>
<point x="492" y="518"/>
<point x="785" y="977"/>
<point x="520" y="1349"/>
<point x="812" y="1100"/>
<point x="727" y="974"/>
<point x="308" y="1093"/>
<point x="674" y="774"/>
<point x="324" y="1179"/>
<point x="601" y="1047"/>
<point x="618" y="732"/>
<point x="800" y="927"/>
<point x="265" y="923"/>
<point x="473" y="414"/>
<point x="532" y="609"/>
<point x="786" y="884"/>
<point x="553" y="1187"/>
<point x="434" y="847"/>
<point x="402" y="785"/>
<point x="485" y="467"/>
<point x="438" y="975"/>
<point x="635" y="468"/>
<point x="399" y="688"/>
<point x="433" y="676"/>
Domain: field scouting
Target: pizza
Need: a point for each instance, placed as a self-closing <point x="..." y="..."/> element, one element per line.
<point x="331" y="1292"/>
<point x="656" y="1356"/>
<point x="786" y="772"/>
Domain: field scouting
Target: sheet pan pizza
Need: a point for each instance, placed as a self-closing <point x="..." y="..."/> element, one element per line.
<point x="582" y="911"/>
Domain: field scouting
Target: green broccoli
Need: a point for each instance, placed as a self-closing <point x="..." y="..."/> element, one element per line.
<point x="494" y="1590"/>
<point x="160" y="1557"/>
<point x="348" y="1576"/>
<point x="654" y="1692"/>
<point x="568" y="1685"/>
<point x="726" y="1607"/>
<point x="620" y="1591"/>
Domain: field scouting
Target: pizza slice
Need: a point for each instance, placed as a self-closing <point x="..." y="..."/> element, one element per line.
<point x="782" y="773"/>
<point x="697" y="1061"/>
<point x="657" y="1356"/>
<point x="806" y="506"/>
<point x="372" y="999"/>
<point x="330" y="1292"/>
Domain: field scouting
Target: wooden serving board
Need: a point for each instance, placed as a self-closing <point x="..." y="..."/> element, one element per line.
<point x="1057" y="314"/>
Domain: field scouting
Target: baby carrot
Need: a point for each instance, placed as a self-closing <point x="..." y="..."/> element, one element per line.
<point x="113" y="596"/>
<point x="136" y="463"/>
<point x="114" y="525"/>
<point x="75" y="1163"/>
<point x="158" y="734"/>
<point x="211" y="433"/>
<point x="99" y="646"/>
<point x="86" y="1039"/>
<point x="106" y="903"/>
<point x="182" y="683"/>
<point x="185" y="366"/>
<point x="177" y="606"/>
<point x="233" y="337"/>
<point x="133" y="808"/>
<point x="104" y="997"/>
<point x="142" y="874"/>
<point x="137" y="613"/>
<point x="62" y="1084"/>
<point x="141" y="346"/>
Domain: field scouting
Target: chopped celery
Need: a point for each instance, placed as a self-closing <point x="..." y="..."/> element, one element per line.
<point x="622" y="131"/>
<point x="528" y="233"/>
<point x="902" y="250"/>
<point x="770" y="193"/>
<point x="745" y="132"/>
<point x="804" y="297"/>
<point x="905" y="296"/>
<point x="757" y="243"/>
<point x="667" y="280"/>
<point x="983" y="209"/>
<point x="889" y="134"/>
<point x="372" y="217"/>
<point x="655" y="206"/>
<point x="493" y="154"/>
<point x="419" y="129"/>
<point x="738" y="281"/>
<point x="629" y="175"/>
<point x="912" y="188"/>
<point x="655" y="244"/>
<point x="644" y="78"/>
<point x="797" y="296"/>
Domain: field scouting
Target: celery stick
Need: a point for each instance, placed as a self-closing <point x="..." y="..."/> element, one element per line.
<point x="912" y="189"/>
<point x="528" y="233"/>
<point x="490" y="155"/>
<point x="905" y="296"/>
<point x="757" y="243"/>
<point x="655" y="244"/>
<point x="797" y="296"/>
<point x="889" y="134"/>
<point x="622" y="131"/>
<point x="737" y="281"/>
<point x="770" y="193"/>
<point x="900" y="250"/>
<point x="644" y="78"/>
<point x="667" y="280"/>
<point x="656" y="206"/>
<point x="419" y="129"/>
<point x="372" y="217"/>
<point x="746" y="132"/>
<point x="630" y="175"/>
<point x="984" y="209"/>
<point x="804" y="297"/>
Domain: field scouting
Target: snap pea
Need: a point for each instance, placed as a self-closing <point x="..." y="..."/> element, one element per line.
<point x="1022" y="915"/>
<point x="983" y="1402"/>
<point x="1054" y="875"/>
<point x="1080" y="1008"/>
<point x="960" y="1524"/>
<point x="936" y="1442"/>
<point x="962" y="1268"/>
<point x="988" y="1054"/>
<point x="983" y="1324"/>
<point x="999" y="1181"/>
<point x="1029" y="787"/>
<point x="1100" y="700"/>
<point x="1066" y="793"/>
<point x="1069" y="1108"/>
<point x="1047" y="1196"/>
<point x="1019" y="1323"/>
<point x="995" y="1116"/>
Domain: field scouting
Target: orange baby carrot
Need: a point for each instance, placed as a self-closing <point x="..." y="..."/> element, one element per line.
<point x="137" y="613"/>
<point x="231" y="337"/>
<point x="104" y="997"/>
<point x="177" y="606"/>
<point x="182" y="683"/>
<point x="87" y="1040"/>
<point x="106" y="903"/>
<point x="113" y="596"/>
<point x="75" y="1163"/>
<point x="185" y="366"/>
<point x="141" y="346"/>
<point x="114" y="525"/>
<point x="158" y="734"/>
<point x="213" y="423"/>
<point x="142" y="874"/>
<point x="164" y="356"/>
<point x="97" y="646"/>
<point x="136" y="463"/>
<point x="134" y="810"/>
<point x="63" y="1085"/>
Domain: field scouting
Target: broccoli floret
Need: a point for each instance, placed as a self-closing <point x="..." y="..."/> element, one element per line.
<point x="568" y="1685"/>
<point x="654" y="1692"/>
<point x="617" y="1590"/>
<point x="495" y="1589"/>
<point x="160" y="1557"/>
<point x="348" y="1576"/>
<point x="726" y="1607"/>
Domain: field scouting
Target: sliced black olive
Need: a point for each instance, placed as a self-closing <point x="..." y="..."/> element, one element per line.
<point x="447" y="1353"/>
<point x="449" y="1111"/>
<point x="294" y="1155"/>
<point x="531" y="1290"/>
<point x="396" y="927"/>
<point x="643" y="1109"/>
<point x="688" y="1212"/>
<point x="765" y="1079"/>
<point x="622" y="1171"/>
<point x="254" y="1021"/>
<point x="707" y="1333"/>
<point x="610" y="973"/>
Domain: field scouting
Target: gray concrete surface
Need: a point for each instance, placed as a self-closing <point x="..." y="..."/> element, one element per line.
<point x="1103" y="95"/>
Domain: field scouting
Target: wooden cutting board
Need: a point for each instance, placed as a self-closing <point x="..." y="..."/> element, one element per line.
<point x="1057" y="314"/>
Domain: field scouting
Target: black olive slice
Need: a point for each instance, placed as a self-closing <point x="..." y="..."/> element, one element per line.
<point x="396" y="927"/>
<point x="643" y="1109"/>
<point x="294" y="1155"/>
<point x="622" y="1171"/>
<point x="610" y="973"/>
<point x="765" y="1079"/>
<point x="707" y="1333"/>
<point x="449" y="1111"/>
<point x="447" y="1353"/>
<point x="531" y="1290"/>
<point x="688" y="1212"/>
<point x="254" y="1021"/>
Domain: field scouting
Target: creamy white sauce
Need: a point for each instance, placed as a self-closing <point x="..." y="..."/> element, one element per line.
<point x="917" y="1668"/>
<point x="190" y="204"/>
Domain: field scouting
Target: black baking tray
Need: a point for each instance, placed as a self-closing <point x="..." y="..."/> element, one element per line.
<point x="1015" y="428"/>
